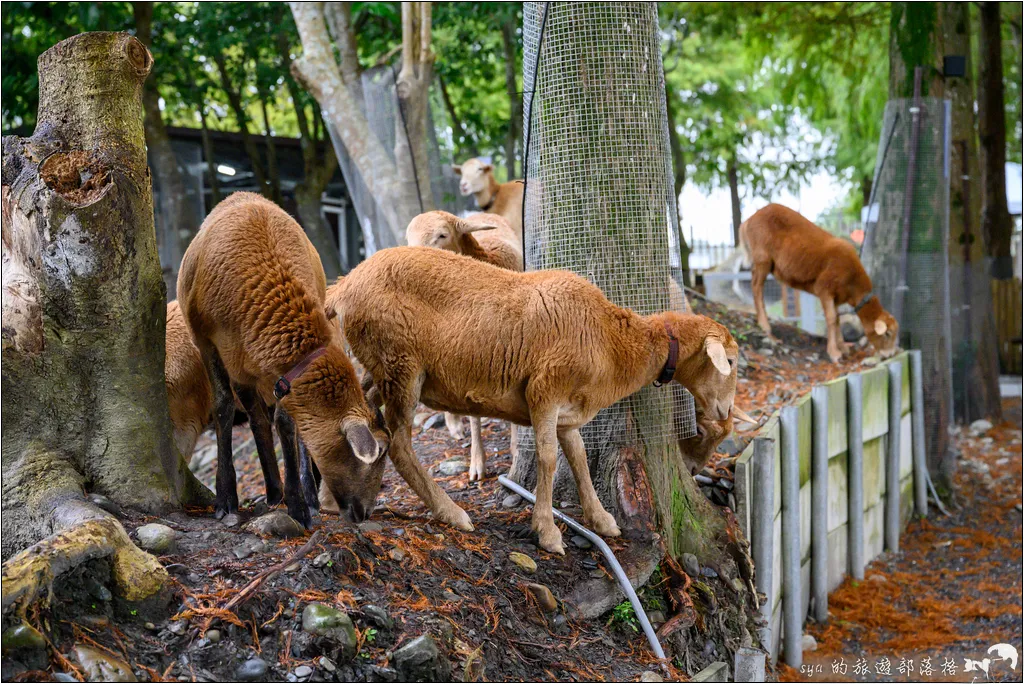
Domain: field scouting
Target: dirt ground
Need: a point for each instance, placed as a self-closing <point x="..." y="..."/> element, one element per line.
<point x="951" y="593"/>
<point x="399" y="576"/>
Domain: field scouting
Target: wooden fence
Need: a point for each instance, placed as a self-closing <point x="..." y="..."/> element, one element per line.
<point x="1006" y="305"/>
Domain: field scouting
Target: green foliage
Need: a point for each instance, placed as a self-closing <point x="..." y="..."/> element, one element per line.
<point x="624" y="615"/>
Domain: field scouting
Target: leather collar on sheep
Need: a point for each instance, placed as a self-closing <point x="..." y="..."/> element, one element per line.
<point x="669" y="370"/>
<point x="284" y="383"/>
<point x="863" y="302"/>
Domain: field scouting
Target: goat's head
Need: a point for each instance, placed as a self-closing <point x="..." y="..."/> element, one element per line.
<point x="476" y="176"/>
<point x="345" y="437"/>
<point x="696" y="450"/>
<point x="881" y="327"/>
<point x="707" y="363"/>
<point x="442" y="230"/>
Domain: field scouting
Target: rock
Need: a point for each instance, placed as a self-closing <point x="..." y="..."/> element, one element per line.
<point x="25" y="644"/>
<point x="420" y="661"/>
<point x="177" y="627"/>
<point x="275" y="524"/>
<point x="156" y="538"/>
<point x="323" y="560"/>
<point x="731" y="446"/>
<point x="580" y="542"/>
<point x="63" y="677"/>
<point x="213" y="635"/>
<point x="332" y="624"/>
<point x="767" y="351"/>
<point x="450" y="596"/>
<point x="242" y="551"/>
<point x="690" y="565"/>
<point x="303" y="671"/>
<point x="525" y="563"/>
<point x="230" y="520"/>
<point x="511" y="501"/>
<point x="150" y="626"/>
<point x="378" y="616"/>
<point x="870" y="361"/>
<point x="547" y="601"/>
<point x="105" y="503"/>
<point x="656" y="617"/>
<point x="397" y="554"/>
<point x="100" y="667"/>
<point x="980" y="427"/>
<point x="252" y="670"/>
<point x="715" y="672"/>
<point x="875" y="577"/>
<point x="433" y="421"/>
<point x="326" y="663"/>
<point x="649" y="676"/>
<point x="709" y="572"/>
<point x="370" y="526"/>
<point x="808" y="643"/>
<point x="453" y="466"/>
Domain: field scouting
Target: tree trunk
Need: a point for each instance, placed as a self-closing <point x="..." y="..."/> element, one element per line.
<point x="678" y="180"/>
<point x="734" y="197"/>
<point x="83" y="336"/>
<point x="174" y="211"/>
<point x="413" y="86"/>
<point x="514" y="137"/>
<point x="466" y="144"/>
<point x="996" y="223"/>
<point x="336" y="88"/>
<point x="273" y="175"/>
<point x="610" y="225"/>
<point x="211" y="161"/>
<point x="235" y="102"/>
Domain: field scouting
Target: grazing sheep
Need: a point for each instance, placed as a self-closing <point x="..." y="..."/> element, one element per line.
<point x="252" y="289"/>
<point x="488" y="238"/>
<point x="544" y="348"/>
<point x="780" y="241"/>
<point x="503" y="199"/>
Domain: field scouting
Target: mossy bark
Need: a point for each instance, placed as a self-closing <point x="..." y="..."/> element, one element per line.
<point x="84" y="304"/>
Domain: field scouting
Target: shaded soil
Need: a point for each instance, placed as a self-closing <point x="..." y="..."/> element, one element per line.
<point x="953" y="590"/>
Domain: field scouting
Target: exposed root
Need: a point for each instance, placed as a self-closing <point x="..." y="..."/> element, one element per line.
<point x="30" y="574"/>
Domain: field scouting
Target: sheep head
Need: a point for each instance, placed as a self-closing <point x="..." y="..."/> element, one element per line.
<point x="345" y="437"/>
<point x="441" y="230"/>
<point x="696" y="450"/>
<point x="476" y="176"/>
<point x="707" y="363"/>
<point x="881" y="327"/>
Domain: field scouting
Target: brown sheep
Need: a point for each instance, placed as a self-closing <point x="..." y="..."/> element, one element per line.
<point x="779" y="241"/>
<point x="503" y="199"/>
<point x="544" y="348"/>
<point x="252" y="289"/>
<point x="488" y="238"/>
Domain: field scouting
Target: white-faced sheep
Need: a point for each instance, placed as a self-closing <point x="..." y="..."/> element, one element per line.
<point x="544" y="348"/>
<point x="252" y="289"/>
<point x="503" y="199"/>
<point x="485" y="237"/>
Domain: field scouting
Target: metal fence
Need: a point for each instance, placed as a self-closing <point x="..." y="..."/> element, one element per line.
<point x="599" y="194"/>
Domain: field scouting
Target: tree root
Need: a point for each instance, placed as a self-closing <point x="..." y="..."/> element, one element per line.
<point x="28" y="575"/>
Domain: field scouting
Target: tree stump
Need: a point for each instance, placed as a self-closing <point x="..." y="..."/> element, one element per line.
<point x="83" y="326"/>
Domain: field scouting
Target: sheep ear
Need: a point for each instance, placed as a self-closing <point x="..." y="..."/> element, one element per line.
<point x="471" y="226"/>
<point x="363" y="444"/>
<point x="457" y="168"/>
<point x="740" y="414"/>
<point x="880" y="326"/>
<point x="487" y="168"/>
<point x="716" y="351"/>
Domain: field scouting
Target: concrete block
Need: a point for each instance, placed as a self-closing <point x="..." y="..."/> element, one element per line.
<point x="836" y="417"/>
<point x="906" y="501"/>
<point x="741" y="489"/>
<point x="715" y="672"/>
<point x="876" y="402"/>
<point x="838" y="508"/>
<point x="874" y="532"/>
<point x="805" y="521"/>
<point x="805" y="590"/>
<point x="803" y="405"/>
<point x="838" y="556"/>
<point x="906" y="447"/>
<point x="874" y="471"/>
<point x="777" y="563"/>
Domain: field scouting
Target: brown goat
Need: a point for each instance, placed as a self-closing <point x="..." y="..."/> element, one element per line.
<point x="544" y="348"/>
<point x="252" y="290"/>
<point x="781" y="242"/>
<point x="189" y="395"/>
<point x="503" y="199"/>
<point x="488" y="238"/>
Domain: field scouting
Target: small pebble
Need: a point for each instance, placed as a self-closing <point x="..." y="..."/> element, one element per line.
<point x="150" y="626"/>
<point x="327" y="664"/>
<point x="231" y="520"/>
<point x="526" y="563"/>
<point x="322" y="560"/>
<point x="580" y="542"/>
<point x="397" y="554"/>
<point x="252" y="670"/>
<point x="511" y="501"/>
<point x="213" y="635"/>
<point x="809" y="643"/>
<point x="371" y="526"/>
<point x="303" y="671"/>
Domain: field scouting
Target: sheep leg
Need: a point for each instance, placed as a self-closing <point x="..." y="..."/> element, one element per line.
<point x="576" y="453"/>
<point x="259" y="423"/>
<point x="293" y="494"/>
<point x="454" y="425"/>
<point x="513" y="441"/>
<point x="477" y="466"/>
<point x="758" y="275"/>
<point x="224" y="401"/>
<point x="544" y="424"/>
<point x="309" y="477"/>
<point x="828" y="305"/>
<point x="398" y="413"/>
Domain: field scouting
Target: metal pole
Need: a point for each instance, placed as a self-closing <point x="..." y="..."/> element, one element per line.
<point x="762" y="523"/>
<point x="908" y="194"/>
<point x="917" y="434"/>
<point x="819" y="503"/>
<point x="855" y="472"/>
<point x="892" y="461"/>
<point x="792" y="592"/>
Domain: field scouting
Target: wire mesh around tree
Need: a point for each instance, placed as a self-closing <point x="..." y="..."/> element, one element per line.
<point x="925" y="322"/>
<point x="599" y="193"/>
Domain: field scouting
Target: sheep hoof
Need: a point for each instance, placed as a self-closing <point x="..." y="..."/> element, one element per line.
<point x="458" y="519"/>
<point x="454" y="425"/>
<point x="605" y="525"/>
<point x="476" y="472"/>
<point x="552" y="542"/>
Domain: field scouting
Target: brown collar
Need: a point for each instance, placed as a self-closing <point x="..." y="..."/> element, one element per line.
<point x="284" y="383"/>
<point x="863" y="302"/>
<point x="669" y="370"/>
<point x="490" y="204"/>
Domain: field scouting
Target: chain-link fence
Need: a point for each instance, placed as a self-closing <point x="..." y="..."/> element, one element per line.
<point x="384" y="115"/>
<point x="599" y="196"/>
<point x="906" y="243"/>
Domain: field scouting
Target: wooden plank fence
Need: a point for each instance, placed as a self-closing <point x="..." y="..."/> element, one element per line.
<point x="1006" y="305"/>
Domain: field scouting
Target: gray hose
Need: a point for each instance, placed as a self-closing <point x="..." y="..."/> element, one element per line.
<point x="620" y="574"/>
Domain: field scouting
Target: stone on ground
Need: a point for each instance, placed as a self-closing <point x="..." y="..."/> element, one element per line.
<point x="275" y="524"/>
<point x="331" y="624"/>
<point x="156" y="538"/>
<point x="100" y="667"/>
<point x="547" y="601"/>
<point x="421" y="661"/>
<point x="526" y="563"/>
